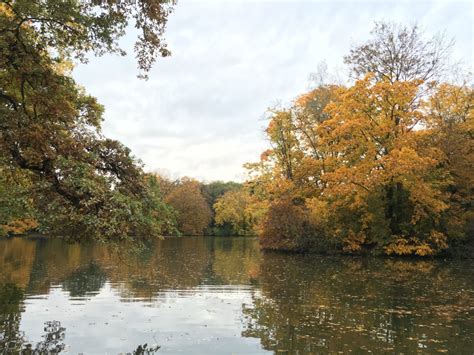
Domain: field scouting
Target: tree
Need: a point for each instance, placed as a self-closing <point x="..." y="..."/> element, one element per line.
<point x="378" y="152"/>
<point x="212" y="192"/>
<point x="163" y="214"/>
<point x="400" y="53"/>
<point x="381" y="166"/>
<point x="17" y="215"/>
<point x="80" y="183"/>
<point x="71" y="29"/>
<point x="283" y="226"/>
<point x="193" y="214"/>
<point x="451" y="119"/>
<point x="281" y="135"/>
<point x="240" y="210"/>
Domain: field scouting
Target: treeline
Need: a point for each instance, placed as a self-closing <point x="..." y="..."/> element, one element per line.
<point x="199" y="208"/>
<point x="187" y="207"/>
<point x="382" y="166"/>
<point x="59" y="175"/>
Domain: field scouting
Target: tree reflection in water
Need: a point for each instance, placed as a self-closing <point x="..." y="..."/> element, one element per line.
<point x="309" y="305"/>
<point x="86" y="280"/>
<point x="11" y="300"/>
<point x="145" y="349"/>
<point x="13" y="341"/>
<point x="291" y="303"/>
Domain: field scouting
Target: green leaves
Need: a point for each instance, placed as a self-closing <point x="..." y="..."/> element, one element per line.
<point x="79" y="183"/>
<point x="73" y="28"/>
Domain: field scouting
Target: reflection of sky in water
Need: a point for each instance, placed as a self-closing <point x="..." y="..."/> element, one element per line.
<point x="207" y="319"/>
<point x="222" y="295"/>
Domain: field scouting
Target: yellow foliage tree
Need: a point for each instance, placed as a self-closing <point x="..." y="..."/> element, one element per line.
<point x="375" y="142"/>
<point x="377" y="166"/>
<point x="383" y="166"/>
<point x="240" y="209"/>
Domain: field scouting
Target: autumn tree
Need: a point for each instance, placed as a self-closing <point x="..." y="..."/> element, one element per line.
<point x="284" y="226"/>
<point x="381" y="166"/>
<point x="81" y="183"/>
<point x="377" y="155"/>
<point x="193" y="214"/>
<point x="71" y="29"/>
<point x="240" y="210"/>
<point x="163" y="214"/>
<point x="212" y="192"/>
<point x="17" y="215"/>
<point x="215" y="189"/>
<point x="451" y="119"/>
<point x="400" y="53"/>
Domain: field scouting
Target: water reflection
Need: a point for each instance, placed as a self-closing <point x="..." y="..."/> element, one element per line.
<point x="177" y="294"/>
<point x="12" y="339"/>
<point x="221" y="295"/>
<point x="382" y="305"/>
<point x="11" y="298"/>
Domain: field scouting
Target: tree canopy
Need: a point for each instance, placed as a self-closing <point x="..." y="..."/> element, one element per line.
<point x="193" y="212"/>
<point x="383" y="165"/>
<point x="79" y="183"/>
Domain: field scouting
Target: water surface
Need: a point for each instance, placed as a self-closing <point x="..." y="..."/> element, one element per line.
<point x="223" y="296"/>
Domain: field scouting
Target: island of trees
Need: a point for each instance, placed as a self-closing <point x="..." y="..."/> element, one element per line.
<point x="382" y="165"/>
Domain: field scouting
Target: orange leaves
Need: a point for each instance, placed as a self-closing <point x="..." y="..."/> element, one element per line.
<point x="19" y="226"/>
<point x="353" y="242"/>
<point x="408" y="246"/>
<point x="370" y="132"/>
<point x="193" y="212"/>
<point x="385" y="165"/>
<point x="265" y="156"/>
<point x="6" y="11"/>
<point x="404" y="246"/>
<point x="370" y="165"/>
<point x="406" y="163"/>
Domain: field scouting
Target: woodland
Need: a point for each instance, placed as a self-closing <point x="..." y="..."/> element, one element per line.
<point x="381" y="164"/>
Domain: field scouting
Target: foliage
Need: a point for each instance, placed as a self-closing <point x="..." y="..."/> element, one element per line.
<point x="193" y="214"/>
<point x="185" y="199"/>
<point x="452" y="123"/>
<point x="17" y="215"/>
<point x="212" y="192"/>
<point x="284" y="224"/>
<point x="164" y="214"/>
<point x="240" y="210"/>
<point x="76" y="27"/>
<point x="79" y="183"/>
<point x="382" y="166"/>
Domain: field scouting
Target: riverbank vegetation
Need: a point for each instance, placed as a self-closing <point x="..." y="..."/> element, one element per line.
<point x="200" y="208"/>
<point x="382" y="164"/>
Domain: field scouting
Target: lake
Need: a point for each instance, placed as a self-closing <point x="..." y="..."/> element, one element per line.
<point x="222" y="295"/>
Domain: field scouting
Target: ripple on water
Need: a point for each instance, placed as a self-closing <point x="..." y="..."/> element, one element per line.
<point x="221" y="295"/>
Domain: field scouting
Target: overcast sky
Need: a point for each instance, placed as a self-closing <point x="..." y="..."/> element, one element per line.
<point x="201" y="112"/>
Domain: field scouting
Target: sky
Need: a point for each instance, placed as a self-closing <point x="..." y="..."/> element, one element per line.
<point x="201" y="114"/>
